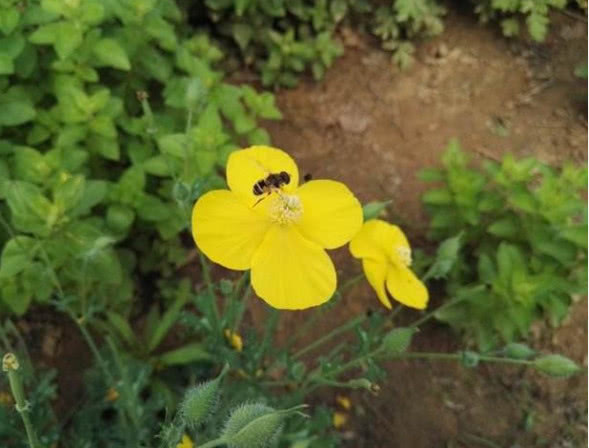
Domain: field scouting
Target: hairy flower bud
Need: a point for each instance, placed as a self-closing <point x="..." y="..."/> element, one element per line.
<point x="200" y="401"/>
<point x="255" y="425"/>
<point x="556" y="365"/>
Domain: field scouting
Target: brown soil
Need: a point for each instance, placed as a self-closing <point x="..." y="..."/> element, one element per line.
<point x="373" y="127"/>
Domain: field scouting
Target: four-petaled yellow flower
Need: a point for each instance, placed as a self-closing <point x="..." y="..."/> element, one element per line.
<point x="386" y="257"/>
<point x="186" y="442"/>
<point x="278" y="229"/>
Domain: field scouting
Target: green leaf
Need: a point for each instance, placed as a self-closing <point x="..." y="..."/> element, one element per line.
<point x="441" y="196"/>
<point x="170" y="316"/>
<point x="9" y="18"/>
<point x="158" y="166"/>
<point x="173" y="144"/>
<point x="119" y="218"/>
<point x="6" y="64"/>
<point x="446" y="257"/>
<point x="31" y="210"/>
<point x="185" y="355"/>
<point x="14" y="297"/>
<point x="397" y="340"/>
<point x="510" y="27"/>
<point x="576" y="235"/>
<point x="17" y="254"/>
<point x="507" y="227"/>
<point x="108" y="52"/>
<point x="430" y="175"/>
<point x="537" y="26"/>
<point x="68" y="194"/>
<point x="242" y="33"/>
<point x="374" y="209"/>
<point x="93" y="194"/>
<point x="106" y="147"/>
<point x="15" y="112"/>
<point x="151" y="208"/>
<point x="30" y="165"/>
<point x="104" y="126"/>
<point x="486" y="269"/>
<point x="122" y="327"/>
<point x="45" y="34"/>
<point x="67" y="39"/>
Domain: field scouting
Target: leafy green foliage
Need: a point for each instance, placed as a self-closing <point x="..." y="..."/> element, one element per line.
<point x="523" y="240"/>
<point x="112" y="124"/>
<point x="284" y="38"/>
<point x="511" y="14"/>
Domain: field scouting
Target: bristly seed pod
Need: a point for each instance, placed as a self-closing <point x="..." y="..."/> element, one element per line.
<point x="255" y="425"/>
<point x="200" y="401"/>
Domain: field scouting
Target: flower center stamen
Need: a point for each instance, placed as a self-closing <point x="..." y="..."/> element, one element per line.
<point x="285" y="208"/>
<point x="404" y="254"/>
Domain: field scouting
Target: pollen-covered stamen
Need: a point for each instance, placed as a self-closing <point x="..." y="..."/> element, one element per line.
<point x="285" y="208"/>
<point x="404" y="254"/>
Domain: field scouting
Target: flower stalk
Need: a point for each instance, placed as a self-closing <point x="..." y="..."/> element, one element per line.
<point x="11" y="366"/>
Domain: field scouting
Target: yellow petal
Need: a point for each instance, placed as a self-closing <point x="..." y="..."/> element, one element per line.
<point x="248" y="166"/>
<point x="226" y="230"/>
<point x="331" y="214"/>
<point x="291" y="272"/>
<point x="186" y="442"/>
<point x="376" y="274"/>
<point x="406" y="288"/>
<point x="378" y="240"/>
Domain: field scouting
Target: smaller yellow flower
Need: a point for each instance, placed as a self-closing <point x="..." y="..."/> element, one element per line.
<point x="186" y="442"/>
<point x="111" y="394"/>
<point x="234" y="340"/>
<point x="386" y="258"/>
<point x="344" y="402"/>
<point x="339" y="419"/>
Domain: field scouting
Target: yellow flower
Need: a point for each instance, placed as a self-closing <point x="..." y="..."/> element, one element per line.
<point x="276" y="227"/>
<point x="234" y="340"/>
<point x="186" y="442"/>
<point x="344" y="402"/>
<point x="339" y="419"/>
<point x="111" y="394"/>
<point x="386" y="257"/>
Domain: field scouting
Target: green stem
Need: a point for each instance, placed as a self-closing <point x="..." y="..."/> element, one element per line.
<point x="93" y="347"/>
<point x="213" y="443"/>
<point x="206" y="272"/>
<point x="458" y="357"/>
<point x="11" y="366"/>
<point x="333" y="333"/>
<point x="269" y="330"/>
<point x="303" y="329"/>
<point x="241" y="308"/>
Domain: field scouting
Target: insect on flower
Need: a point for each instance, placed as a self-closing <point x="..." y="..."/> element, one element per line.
<point x="283" y="238"/>
<point x="270" y="184"/>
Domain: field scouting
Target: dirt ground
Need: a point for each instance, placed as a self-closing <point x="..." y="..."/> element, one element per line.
<point x="373" y="127"/>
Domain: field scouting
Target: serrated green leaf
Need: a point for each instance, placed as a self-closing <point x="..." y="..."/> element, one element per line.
<point x="440" y="196"/>
<point x="110" y="53"/>
<point x="17" y="254"/>
<point x="446" y="257"/>
<point x="173" y="145"/>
